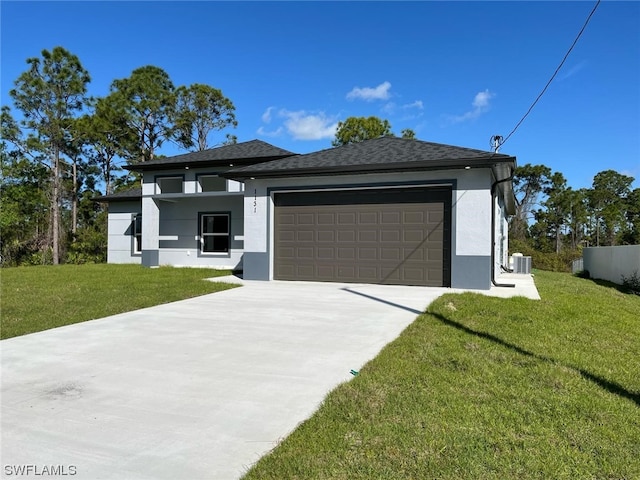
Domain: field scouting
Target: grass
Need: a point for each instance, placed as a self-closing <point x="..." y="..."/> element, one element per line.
<point x="39" y="298"/>
<point x="487" y="388"/>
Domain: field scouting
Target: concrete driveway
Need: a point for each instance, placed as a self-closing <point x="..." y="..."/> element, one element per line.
<point x="197" y="389"/>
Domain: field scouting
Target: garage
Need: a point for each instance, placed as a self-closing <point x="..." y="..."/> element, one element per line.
<point x="395" y="236"/>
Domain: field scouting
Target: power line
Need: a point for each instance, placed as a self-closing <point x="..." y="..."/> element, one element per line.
<point x="554" y="74"/>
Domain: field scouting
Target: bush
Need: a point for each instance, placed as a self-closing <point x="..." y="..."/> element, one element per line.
<point x="551" y="261"/>
<point x="583" y="274"/>
<point x="89" y="246"/>
<point x="632" y="282"/>
<point x="44" y="257"/>
<point x="29" y="252"/>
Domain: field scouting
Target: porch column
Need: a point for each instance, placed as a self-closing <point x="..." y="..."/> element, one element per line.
<point x="150" y="232"/>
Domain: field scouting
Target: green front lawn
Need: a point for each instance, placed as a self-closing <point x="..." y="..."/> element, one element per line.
<point x="39" y="298"/>
<point x="487" y="388"/>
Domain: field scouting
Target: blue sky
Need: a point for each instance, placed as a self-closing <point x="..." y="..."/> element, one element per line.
<point x="454" y="72"/>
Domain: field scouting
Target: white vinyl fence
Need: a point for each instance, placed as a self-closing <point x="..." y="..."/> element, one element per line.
<point x="577" y="265"/>
<point x="612" y="263"/>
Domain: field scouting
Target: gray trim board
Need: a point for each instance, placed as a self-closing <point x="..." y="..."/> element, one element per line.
<point x="151" y="258"/>
<point x="471" y="271"/>
<point x="446" y="182"/>
<point x="255" y="265"/>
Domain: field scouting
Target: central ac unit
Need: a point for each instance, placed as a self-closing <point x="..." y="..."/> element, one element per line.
<point x="520" y="264"/>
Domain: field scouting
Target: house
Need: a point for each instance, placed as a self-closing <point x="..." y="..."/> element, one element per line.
<point x="387" y="210"/>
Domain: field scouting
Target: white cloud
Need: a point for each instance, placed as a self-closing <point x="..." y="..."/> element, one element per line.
<point x="481" y="100"/>
<point x="481" y="104"/>
<point x="300" y="124"/>
<point x="572" y="71"/>
<point x="273" y="133"/>
<point x="308" y="126"/>
<point x="381" y="92"/>
<point x="391" y="108"/>
<point x="266" y="116"/>
<point x="417" y="104"/>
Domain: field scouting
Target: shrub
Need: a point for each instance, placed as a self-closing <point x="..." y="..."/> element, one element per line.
<point x="29" y="252"/>
<point x="551" y="261"/>
<point x="89" y="246"/>
<point x="632" y="282"/>
<point x="583" y="274"/>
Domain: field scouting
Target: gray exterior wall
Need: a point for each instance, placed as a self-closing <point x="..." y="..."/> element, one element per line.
<point x="179" y="240"/>
<point x="170" y="224"/>
<point x="471" y="218"/>
<point x="120" y="241"/>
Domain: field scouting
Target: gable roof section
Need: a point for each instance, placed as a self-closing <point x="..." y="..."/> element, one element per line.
<point x="382" y="154"/>
<point x="386" y="154"/>
<point x="259" y="159"/>
<point x="245" y="153"/>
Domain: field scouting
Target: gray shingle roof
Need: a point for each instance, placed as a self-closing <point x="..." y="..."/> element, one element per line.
<point x="132" y="194"/>
<point x="239" y="153"/>
<point x="379" y="154"/>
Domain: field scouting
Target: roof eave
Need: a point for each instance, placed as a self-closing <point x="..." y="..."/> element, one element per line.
<point x="221" y="164"/>
<point x="377" y="168"/>
<point x="503" y="173"/>
<point x="110" y="199"/>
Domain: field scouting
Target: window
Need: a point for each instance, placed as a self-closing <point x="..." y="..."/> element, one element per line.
<point x="137" y="233"/>
<point x="214" y="233"/>
<point x="169" y="184"/>
<point x="212" y="183"/>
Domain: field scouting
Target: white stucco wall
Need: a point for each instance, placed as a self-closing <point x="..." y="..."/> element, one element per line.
<point x="473" y="214"/>
<point x="471" y="218"/>
<point x="190" y="183"/>
<point x="611" y="263"/>
<point x="120" y="241"/>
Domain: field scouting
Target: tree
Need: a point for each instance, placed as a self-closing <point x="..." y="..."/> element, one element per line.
<point x="24" y="213"/>
<point x="49" y="94"/>
<point x="557" y="208"/>
<point x="107" y="136"/>
<point x="578" y="216"/>
<point x="529" y="182"/>
<point x="358" y="129"/>
<point x="632" y="233"/>
<point x="408" y="133"/>
<point x="201" y="109"/>
<point x="73" y="149"/>
<point x="146" y="103"/>
<point x="607" y="200"/>
<point x="230" y="139"/>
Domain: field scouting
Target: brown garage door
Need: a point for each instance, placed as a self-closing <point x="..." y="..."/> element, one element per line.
<point x="388" y="236"/>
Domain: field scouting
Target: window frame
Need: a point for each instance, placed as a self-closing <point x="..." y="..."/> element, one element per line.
<point x="202" y="235"/>
<point x="199" y="189"/>
<point x="136" y="234"/>
<point x="157" y="180"/>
